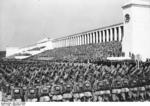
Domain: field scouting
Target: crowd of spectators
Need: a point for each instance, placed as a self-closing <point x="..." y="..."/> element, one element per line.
<point x="60" y="81"/>
<point x="83" y="52"/>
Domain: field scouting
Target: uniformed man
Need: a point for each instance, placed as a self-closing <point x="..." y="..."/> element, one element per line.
<point x="87" y="91"/>
<point x="134" y="93"/>
<point x="147" y="96"/>
<point x="32" y="94"/>
<point x="141" y="93"/>
<point x="16" y="94"/>
<point x="115" y="93"/>
<point x="57" y="93"/>
<point x="124" y="94"/>
<point x="76" y="91"/>
<point x="44" y="94"/>
<point x="67" y="93"/>
<point x="8" y="92"/>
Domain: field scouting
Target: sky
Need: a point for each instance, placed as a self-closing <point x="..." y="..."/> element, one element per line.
<point x="24" y="22"/>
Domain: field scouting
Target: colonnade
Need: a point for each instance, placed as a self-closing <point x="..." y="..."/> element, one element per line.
<point x="101" y="35"/>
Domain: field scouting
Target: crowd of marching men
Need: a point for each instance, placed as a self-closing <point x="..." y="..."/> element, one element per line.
<point x="43" y="81"/>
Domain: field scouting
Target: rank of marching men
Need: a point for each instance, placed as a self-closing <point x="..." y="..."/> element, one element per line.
<point x="56" y="93"/>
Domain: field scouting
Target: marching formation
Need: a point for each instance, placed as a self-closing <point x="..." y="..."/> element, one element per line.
<point x="44" y="81"/>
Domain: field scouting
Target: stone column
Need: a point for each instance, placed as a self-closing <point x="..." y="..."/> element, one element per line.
<point x="96" y="36"/>
<point x="58" y="43"/>
<point x="69" y="40"/>
<point x="72" y="41"/>
<point x="107" y="32"/>
<point x="75" y="38"/>
<point x="111" y="34"/>
<point x="115" y="33"/>
<point x="88" y="36"/>
<point x="85" y="39"/>
<point x="66" y="42"/>
<point x="120" y="33"/>
<point x="61" y="43"/>
<point x="95" y="33"/>
<point x="81" y="39"/>
<point x="93" y="37"/>
<point x="99" y="36"/>
<point x="104" y="36"/>
<point x="78" y="40"/>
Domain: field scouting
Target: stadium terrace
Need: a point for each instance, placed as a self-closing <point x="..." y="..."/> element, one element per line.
<point x="108" y="64"/>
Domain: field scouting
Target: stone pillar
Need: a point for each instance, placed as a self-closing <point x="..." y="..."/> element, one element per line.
<point x="75" y="38"/>
<point x="66" y="42"/>
<point x="99" y="36"/>
<point x="85" y="39"/>
<point x="69" y="40"/>
<point x="120" y="33"/>
<point x="60" y="43"/>
<point x="93" y="37"/>
<point x="115" y="33"/>
<point x="108" y="36"/>
<point x="81" y="39"/>
<point x="73" y="41"/>
<point x="104" y="36"/>
<point x="105" y="33"/>
<point x="88" y="38"/>
<point x="78" y="40"/>
<point x="111" y="34"/>
<point x="96" y="40"/>
<point x="117" y="28"/>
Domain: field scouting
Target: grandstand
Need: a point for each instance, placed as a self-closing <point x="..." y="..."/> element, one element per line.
<point x="83" y="67"/>
<point x="129" y="34"/>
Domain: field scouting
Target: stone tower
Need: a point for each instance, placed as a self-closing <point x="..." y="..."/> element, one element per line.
<point x="136" y="38"/>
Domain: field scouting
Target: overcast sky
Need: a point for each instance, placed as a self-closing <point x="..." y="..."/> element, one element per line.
<point x="24" y="22"/>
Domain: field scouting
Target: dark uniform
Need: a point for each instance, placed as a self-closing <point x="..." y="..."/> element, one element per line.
<point x="16" y="93"/>
<point x="87" y="91"/>
<point x="57" y="93"/>
<point x="45" y="93"/>
<point x="147" y="95"/>
<point x="32" y="94"/>
<point x="67" y="92"/>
